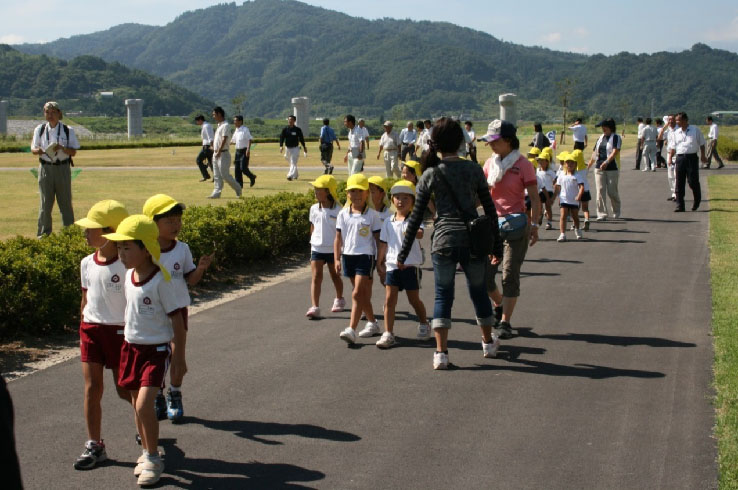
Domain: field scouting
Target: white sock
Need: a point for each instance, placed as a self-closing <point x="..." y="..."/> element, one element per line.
<point x="175" y="389"/>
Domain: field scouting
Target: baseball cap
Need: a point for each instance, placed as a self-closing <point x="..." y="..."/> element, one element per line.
<point x="104" y="214"/>
<point x="403" y="187"/>
<point x="159" y="204"/>
<point x="357" y="181"/>
<point x="140" y="227"/>
<point x="415" y="166"/>
<point x="387" y="123"/>
<point x="379" y="181"/>
<point x="499" y="129"/>
<point x="326" y="182"/>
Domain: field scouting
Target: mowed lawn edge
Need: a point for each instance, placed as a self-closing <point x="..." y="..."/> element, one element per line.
<point x="724" y="280"/>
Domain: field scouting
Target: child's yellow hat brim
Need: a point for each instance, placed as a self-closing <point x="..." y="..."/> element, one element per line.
<point x="415" y="166"/>
<point x="403" y="187"/>
<point x="159" y="204"/>
<point x="327" y="182"/>
<point x="379" y="182"/>
<point x="357" y="181"/>
<point x="140" y="227"/>
<point x="104" y="214"/>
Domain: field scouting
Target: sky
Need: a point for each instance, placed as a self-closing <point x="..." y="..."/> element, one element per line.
<point x="596" y="27"/>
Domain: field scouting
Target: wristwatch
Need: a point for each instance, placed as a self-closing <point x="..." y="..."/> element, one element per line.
<point x="534" y="225"/>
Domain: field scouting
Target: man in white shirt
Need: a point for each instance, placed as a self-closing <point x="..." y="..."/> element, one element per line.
<point x="206" y="133"/>
<point x="355" y="156"/>
<point x="688" y="140"/>
<point x="55" y="144"/>
<point x="362" y="125"/>
<point x="242" y="139"/>
<point x="579" y="134"/>
<point x="390" y="144"/>
<point x="471" y="147"/>
<point x="666" y="136"/>
<point x="712" y="151"/>
<point x="222" y="156"/>
<point x="408" y="136"/>
<point x="648" y="145"/>
<point x="639" y="147"/>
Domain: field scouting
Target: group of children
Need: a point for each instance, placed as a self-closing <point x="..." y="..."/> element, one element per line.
<point x="134" y="320"/>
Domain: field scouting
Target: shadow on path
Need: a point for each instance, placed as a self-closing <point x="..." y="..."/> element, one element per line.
<point x="617" y="340"/>
<point x="591" y="371"/>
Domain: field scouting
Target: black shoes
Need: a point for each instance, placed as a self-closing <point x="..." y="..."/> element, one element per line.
<point x="695" y="206"/>
<point x="504" y="331"/>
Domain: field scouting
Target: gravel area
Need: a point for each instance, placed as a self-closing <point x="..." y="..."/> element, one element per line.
<point x="24" y="128"/>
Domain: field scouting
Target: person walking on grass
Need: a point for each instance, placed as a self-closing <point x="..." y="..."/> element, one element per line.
<point x="290" y="140"/>
<point x="326" y="140"/>
<point x="222" y="156"/>
<point x="389" y="143"/>
<point x="712" y="149"/>
<point x="242" y="140"/>
<point x="688" y="140"/>
<point x="206" y="153"/>
<point x="354" y="159"/>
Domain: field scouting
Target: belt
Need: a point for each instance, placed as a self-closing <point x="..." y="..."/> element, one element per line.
<point x="58" y="162"/>
<point x="686" y="154"/>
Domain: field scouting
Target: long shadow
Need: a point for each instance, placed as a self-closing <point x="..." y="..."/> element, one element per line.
<point x="542" y="274"/>
<point x="718" y="210"/>
<point x="602" y="240"/>
<point x="655" y="220"/>
<point x="591" y="371"/>
<point x="546" y="261"/>
<point x="622" y="230"/>
<point x="217" y="474"/>
<point x="723" y="200"/>
<point x="617" y="340"/>
<point x="250" y="429"/>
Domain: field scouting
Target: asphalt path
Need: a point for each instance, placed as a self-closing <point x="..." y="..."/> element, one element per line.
<point x="608" y="384"/>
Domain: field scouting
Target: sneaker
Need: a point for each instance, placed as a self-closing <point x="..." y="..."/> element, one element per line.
<point x="212" y="196"/>
<point x="440" y="360"/>
<point x="313" y="313"/>
<point x="339" y="304"/>
<point x="330" y="170"/>
<point x="653" y="170"/>
<point x="573" y="227"/>
<point x="386" y="341"/>
<point x="601" y="218"/>
<point x="175" y="409"/>
<point x="548" y="225"/>
<point x="348" y="335"/>
<point x="504" y="331"/>
<point x="151" y="471"/>
<point x="423" y="331"/>
<point x="578" y="234"/>
<point x="204" y="179"/>
<point x="138" y="439"/>
<point x="160" y="405"/>
<point x="498" y="313"/>
<point x="562" y="238"/>
<point x="586" y="225"/>
<point x="490" y="349"/>
<point x="370" y="330"/>
<point x="139" y="464"/>
<point x="94" y="454"/>
<point x="252" y="181"/>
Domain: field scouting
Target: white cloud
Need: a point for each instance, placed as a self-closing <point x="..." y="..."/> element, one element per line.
<point x="552" y="37"/>
<point x="581" y="32"/>
<point x="729" y="33"/>
<point x="11" y="39"/>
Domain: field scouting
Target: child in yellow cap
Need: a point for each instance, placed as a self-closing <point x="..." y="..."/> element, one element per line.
<point x="378" y="193"/>
<point x="411" y="170"/>
<point x="176" y="257"/>
<point x="103" y="316"/>
<point x="407" y="278"/>
<point x="533" y="155"/>
<point x="569" y="187"/>
<point x="582" y="170"/>
<point x="357" y="235"/>
<point x="546" y="177"/>
<point x="323" y="217"/>
<point x="152" y="324"/>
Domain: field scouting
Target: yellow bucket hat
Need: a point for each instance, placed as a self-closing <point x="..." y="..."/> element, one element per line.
<point x="357" y="181"/>
<point x="159" y="204"/>
<point x="141" y="227"/>
<point x="415" y="166"/>
<point x="379" y="182"/>
<point x="403" y="187"/>
<point x="578" y="156"/>
<point x="564" y="156"/>
<point x="104" y="214"/>
<point x="534" y="151"/>
<point x="326" y="182"/>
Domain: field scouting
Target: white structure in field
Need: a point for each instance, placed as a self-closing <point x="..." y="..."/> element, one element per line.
<point x="301" y="110"/>
<point x="3" y="117"/>
<point x="507" y="108"/>
<point x="135" y="117"/>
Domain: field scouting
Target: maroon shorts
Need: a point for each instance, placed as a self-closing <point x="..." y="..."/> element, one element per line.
<point x="101" y="343"/>
<point x="143" y="365"/>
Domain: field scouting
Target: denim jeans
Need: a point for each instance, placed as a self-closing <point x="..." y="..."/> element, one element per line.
<point x="444" y="270"/>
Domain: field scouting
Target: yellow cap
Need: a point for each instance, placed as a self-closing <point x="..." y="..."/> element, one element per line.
<point x="534" y="151"/>
<point x="578" y="156"/>
<point x="326" y="182"/>
<point x="357" y="181"/>
<point x="104" y="214"/>
<point x="141" y="227"/>
<point x="564" y="156"/>
<point x="379" y="182"/>
<point x="548" y="152"/>
<point x="159" y="204"/>
<point x="415" y="166"/>
<point x="403" y="187"/>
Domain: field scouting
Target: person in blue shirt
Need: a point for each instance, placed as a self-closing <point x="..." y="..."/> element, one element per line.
<point x="327" y="137"/>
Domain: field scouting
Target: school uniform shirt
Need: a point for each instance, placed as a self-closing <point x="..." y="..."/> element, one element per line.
<point x="385" y="214"/>
<point x="223" y="131"/>
<point x="324" y="228"/>
<point x="103" y="282"/>
<point x="569" y="188"/>
<point x="390" y="141"/>
<point x="547" y="178"/>
<point x="357" y="230"/>
<point x="713" y="134"/>
<point x="148" y="306"/>
<point x="393" y="234"/>
<point x="578" y="132"/>
<point x="178" y="261"/>
<point x="242" y="137"/>
<point x="689" y="141"/>
<point x="206" y="132"/>
<point x="54" y="135"/>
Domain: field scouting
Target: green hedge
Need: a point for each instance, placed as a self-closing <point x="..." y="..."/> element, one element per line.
<point x="40" y="286"/>
<point x="728" y="148"/>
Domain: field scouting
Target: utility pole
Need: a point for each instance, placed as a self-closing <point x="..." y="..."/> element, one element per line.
<point x="625" y="107"/>
<point x="565" y="89"/>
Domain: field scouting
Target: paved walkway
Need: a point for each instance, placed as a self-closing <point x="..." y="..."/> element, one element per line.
<point x="608" y="385"/>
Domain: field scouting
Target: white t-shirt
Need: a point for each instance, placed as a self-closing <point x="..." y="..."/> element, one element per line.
<point x="178" y="261"/>
<point x="148" y="305"/>
<point x="103" y="282"/>
<point x="365" y="131"/>
<point x="569" y="188"/>
<point x="324" y="227"/>
<point x="583" y="174"/>
<point x="669" y="138"/>
<point x="357" y="230"/>
<point x="641" y="126"/>
<point x="389" y="141"/>
<point x="688" y="141"/>
<point x="355" y="137"/>
<point x="472" y="136"/>
<point x="223" y="131"/>
<point x="56" y="135"/>
<point x="713" y="134"/>
<point x="241" y="137"/>
<point x="649" y="134"/>
<point x="207" y="134"/>
<point x="546" y="177"/>
<point x="383" y="215"/>
<point x="393" y="234"/>
<point x="578" y="132"/>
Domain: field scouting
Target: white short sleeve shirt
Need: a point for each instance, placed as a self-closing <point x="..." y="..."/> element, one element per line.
<point x="148" y="305"/>
<point x="357" y="231"/>
<point x="713" y="134"/>
<point x="688" y="141"/>
<point x="242" y="137"/>
<point x="55" y="135"/>
<point x="103" y="282"/>
<point x="324" y="228"/>
<point x="393" y="234"/>
<point x="223" y="131"/>
<point x="206" y="132"/>
<point x="355" y="137"/>
<point x="569" y="188"/>
<point x="578" y="132"/>
<point x="178" y="261"/>
<point x="547" y="178"/>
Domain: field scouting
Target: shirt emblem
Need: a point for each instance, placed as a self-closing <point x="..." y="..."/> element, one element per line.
<point x="147" y="300"/>
<point x="177" y="266"/>
<point x="364" y="231"/>
<point x="115" y="278"/>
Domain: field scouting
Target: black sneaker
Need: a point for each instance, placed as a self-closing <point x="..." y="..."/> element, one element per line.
<point x="138" y="439"/>
<point x="94" y="454"/>
<point x="504" y="331"/>
<point x="160" y="405"/>
<point x="175" y="409"/>
<point x="253" y="181"/>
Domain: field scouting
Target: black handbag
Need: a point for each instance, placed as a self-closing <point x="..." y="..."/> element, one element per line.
<point x="481" y="228"/>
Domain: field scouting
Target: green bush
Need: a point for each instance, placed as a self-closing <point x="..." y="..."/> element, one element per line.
<point x="728" y="148"/>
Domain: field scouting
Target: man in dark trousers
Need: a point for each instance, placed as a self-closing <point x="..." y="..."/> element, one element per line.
<point x="242" y="139"/>
<point x="688" y="140"/>
<point x="327" y="137"/>
<point x="206" y="133"/>
<point x="289" y="141"/>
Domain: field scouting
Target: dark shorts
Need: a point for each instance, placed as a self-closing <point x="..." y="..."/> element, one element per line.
<point x="586" y="196"/>
<point x="528" y="205"/>
<point x="542" y="195"/>
<point x="563" y="205"/>
<point x="407" y="279"/>
<point x="143" y="365"/>
<point x="101" y="343"/>
<point x="358" y="265"/>
<point x="327" y="258"/>
<point x="579" y="145"/>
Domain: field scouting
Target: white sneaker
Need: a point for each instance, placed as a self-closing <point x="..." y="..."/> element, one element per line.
<point x="313" y="312"/>
<point x="423" y="331"/>
<point x="370" y="330"/>
<point x="151" y="471"/>
<point x="440" y="360"/>
<point x="573" y="227"/>
<point x="139" y="464"/>
<point x="562" y="238"/>
<point x="578" y="233"/>
<point x="490" y="350"/>
<point x="601" y="218"/>
<point x="348" y="335"/>
<point x="338" y="305"/>
<point x="548" y="225"/>
<point x="386" y="341"/>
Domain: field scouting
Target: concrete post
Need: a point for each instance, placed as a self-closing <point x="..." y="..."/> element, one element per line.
<point x="508" y="111"/>
<point x="301" y="110"/>
<point x="3" y="117"/>
<point x="135" y="117"/>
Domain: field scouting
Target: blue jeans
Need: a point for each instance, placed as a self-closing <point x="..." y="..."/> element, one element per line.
<point x="444" y="270"/>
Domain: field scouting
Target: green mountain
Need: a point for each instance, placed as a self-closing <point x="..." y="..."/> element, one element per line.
<point x="272" y="50"/>
<point x="28" y="81"/>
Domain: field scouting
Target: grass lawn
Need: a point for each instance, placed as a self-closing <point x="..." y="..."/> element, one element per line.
<point x="724" y="279"/>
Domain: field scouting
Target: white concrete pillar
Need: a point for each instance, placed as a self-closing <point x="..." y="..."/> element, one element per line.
<point x="3" y="117"/>
<point x="135" y="117"/>
<point x="301" y="110"/>
<point x="508" y="112"/>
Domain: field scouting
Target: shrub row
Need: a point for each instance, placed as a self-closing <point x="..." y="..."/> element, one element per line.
<point x="40" y="291"/>
<point x="728" y="148"/>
